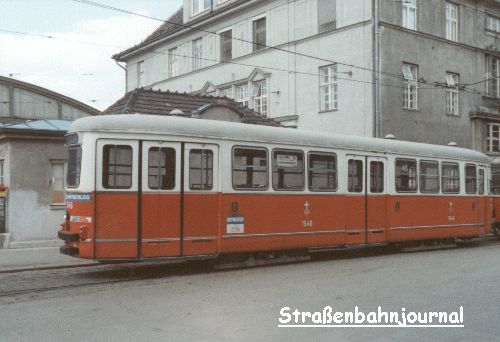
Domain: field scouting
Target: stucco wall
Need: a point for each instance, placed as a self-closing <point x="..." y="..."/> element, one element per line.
<point x="29" y="214"/>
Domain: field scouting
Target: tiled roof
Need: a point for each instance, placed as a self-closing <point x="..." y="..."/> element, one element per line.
<point x="175" y="24"/>
<point x="41" y="125"/>
<point x="146" y="101"/>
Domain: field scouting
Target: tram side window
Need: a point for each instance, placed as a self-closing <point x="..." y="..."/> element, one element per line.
<point x="406" y="175"/>
<point x="376" y="177"/>
<point x="322" y="172"/>
<point x="470" y="179"/>
<point x="355" y="175"/>
<point x="249" y="168"/>
<point x="480" y="182"/>
<point x="288" y="170"/>
<point x="117" y="167"/>
<point x="429" y="177"/>
<point x="450" y="178"/>
<point x="74" y="167"/>
<point x="495" y="180"/>
<point x="161" y="168"/>
<point x="201" y="169"/>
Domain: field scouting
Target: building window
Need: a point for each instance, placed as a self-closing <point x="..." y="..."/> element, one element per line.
<point x="201" y="170"/>
<point x="74" y="166"/>
<point x="226" y="92"/>
<point x="322" y="172"/>
<point x="493" y="138"/>
<point x="288" y="170"/>
<point x="197" y="53"/>
<point x="57" y="182"/>
<point x="410" y="14"/>
<point x="259" y="94"/>
<point x="250" y="169"/>
<point x="493" y="76"/>
<point x="450" y="178"/>
<point x="470" y="179"/>
<point x="141" y="75"/>
<point x="2" y="179"/>
<point x="355" y="175"/>
<point x="259" y="34"/>
<point x="451" y="21"/>
<point x="410" y="88"/>
<point x="161" y="168"/>
<point x="242" y="94"/>
<point x="327" y="15"/>
<point x="117" y="167"/>
<point x="226" y="45"/>
<point x="328" y="88"/>
<point x="173" y="63"/>
<point x="452" y="93"/>
<point x="429" y="177"/>
<point x="406" y="175"/>
<point x="199" y="6"/>
<point x="492" y="24"/>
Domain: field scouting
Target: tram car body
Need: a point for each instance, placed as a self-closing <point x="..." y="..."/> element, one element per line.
<point x="141" y="187"/>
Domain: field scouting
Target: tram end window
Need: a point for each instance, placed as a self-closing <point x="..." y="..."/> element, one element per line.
<point x="74" y="166"/>
<point x="250" y="168"/>
<point x="406" y="175"/>
<point x="288" y="170"/>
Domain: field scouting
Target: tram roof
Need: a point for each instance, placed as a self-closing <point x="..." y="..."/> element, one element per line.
<point x="151" y="124"/>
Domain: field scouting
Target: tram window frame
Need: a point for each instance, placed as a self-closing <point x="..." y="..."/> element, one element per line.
<point x="275" y="170"/>
<point x="423" y="177"/>
<point x="480" y="181"/>
<point x="209" y="184"/>
<point x="168" y="179"/>
<point x="468" y="178"/>
<point x="106" y="165"/>
<point x="74" y="169"/>
<point x="311" y="171"/>
<point x="444" y="166"/>
<point x="249" y="167"/>
<point x="377" y="187"/>
<point x="350" y="176"/>
<point x="494" y="183"/>
<point x="400" y="188"/>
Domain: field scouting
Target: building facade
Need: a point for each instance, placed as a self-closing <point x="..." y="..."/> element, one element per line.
<point x="422" y="70"/>
<point x="33" y="160"/>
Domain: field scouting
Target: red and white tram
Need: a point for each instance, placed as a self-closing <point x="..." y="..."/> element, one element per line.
<point x="142" y="187"/>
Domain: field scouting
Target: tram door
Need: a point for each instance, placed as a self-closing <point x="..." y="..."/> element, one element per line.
<point x="366" y="216"/>
<point x="161" y="199"/>
<point x="376" y="200"/>
<point x="200" y="203"/>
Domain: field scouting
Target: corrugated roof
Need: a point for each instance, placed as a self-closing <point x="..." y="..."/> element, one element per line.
<point x="41" y="125"/>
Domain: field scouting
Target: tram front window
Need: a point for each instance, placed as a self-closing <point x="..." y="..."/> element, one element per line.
<point x="495" y="181"/>
<point x="74" y="166"/>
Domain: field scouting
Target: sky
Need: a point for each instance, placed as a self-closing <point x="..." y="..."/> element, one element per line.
<point x="84" y="72"/>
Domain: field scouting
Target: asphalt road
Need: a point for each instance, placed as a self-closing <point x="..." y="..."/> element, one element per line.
<point x="193" y="303"/>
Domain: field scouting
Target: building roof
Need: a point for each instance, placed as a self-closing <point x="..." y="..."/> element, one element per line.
<point x="49" y="93"/>
<point x="211" y="129"/>
<point x="156" y="102"/>
<point x="175" y="24"/>
<point x="41" y="125"/>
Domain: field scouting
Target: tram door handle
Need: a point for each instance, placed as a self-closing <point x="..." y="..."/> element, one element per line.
<point x="397" y="205"/>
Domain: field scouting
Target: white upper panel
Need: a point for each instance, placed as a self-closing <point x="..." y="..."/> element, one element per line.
<point x="185" y="127"/>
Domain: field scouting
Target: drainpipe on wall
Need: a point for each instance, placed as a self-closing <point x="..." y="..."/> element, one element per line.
<point x="376" y="67"/>
<point x="124" y="68"/>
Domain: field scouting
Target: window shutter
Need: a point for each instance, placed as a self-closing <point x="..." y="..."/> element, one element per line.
<point x="327" y="15"/>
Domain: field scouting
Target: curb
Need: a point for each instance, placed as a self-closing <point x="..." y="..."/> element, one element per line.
<point x="46" y="268"/>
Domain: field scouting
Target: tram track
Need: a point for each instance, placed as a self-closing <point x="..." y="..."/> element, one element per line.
<point x="38" y="281"/>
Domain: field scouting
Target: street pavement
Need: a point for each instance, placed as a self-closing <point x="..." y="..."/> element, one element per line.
<point x="192" y="303"/>
<point x="12" y="260"/>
